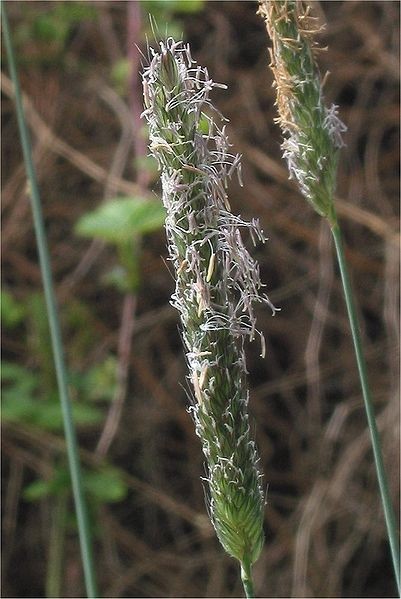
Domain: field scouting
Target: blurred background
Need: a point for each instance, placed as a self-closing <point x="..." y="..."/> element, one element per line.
<point x="79" y="65"/>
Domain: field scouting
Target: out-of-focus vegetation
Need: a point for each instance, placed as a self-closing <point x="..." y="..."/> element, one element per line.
<point x="79" y="65"/>
<point x="122" y="222"/>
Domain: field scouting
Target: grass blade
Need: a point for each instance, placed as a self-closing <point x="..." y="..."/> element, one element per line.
<point x="58" y="353"/>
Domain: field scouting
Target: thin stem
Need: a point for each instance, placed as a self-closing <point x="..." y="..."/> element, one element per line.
<point x="367" y="397"/>
<point x="58" y="354"/>
<point x="247" y="582"/>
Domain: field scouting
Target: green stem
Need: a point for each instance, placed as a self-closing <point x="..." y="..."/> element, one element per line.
<point x="367" y="397"/>
<point x="247" y="582"/>
<point x="58" y="354"/>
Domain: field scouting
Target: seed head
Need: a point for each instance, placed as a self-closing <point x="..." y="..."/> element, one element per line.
<point x="312" y="132"/>
<point x="217" y="284"/>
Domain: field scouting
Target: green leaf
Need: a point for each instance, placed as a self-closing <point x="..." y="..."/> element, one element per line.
<point x="59" y="483"/>
<point x="50" y="416"/>
<point x="117" y="277"/>
<point x="36" y="490"/>
<point x="48" y="28"/>
<point x="178" y="6"/>
<point x="120" y="74"/>
<point x="15" y="373"/>
<point x="76" y="12"/>
<point x="100" y="382"/>
<point x="105" y="486"/>
<point x="187" y="6"/>
<point x="19" y="405"/>
<point x="120" y="219"/>
<point x="12" y="312"/>
<point x="54" y="23"/>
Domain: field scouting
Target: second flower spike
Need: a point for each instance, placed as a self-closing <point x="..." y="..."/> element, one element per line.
<point x="312" y="132"/>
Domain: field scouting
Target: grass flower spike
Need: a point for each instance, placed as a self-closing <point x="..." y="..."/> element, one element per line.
<point x="312" y="132"/>
<point x="312" y="137"/>
<point x="217" y="283"/>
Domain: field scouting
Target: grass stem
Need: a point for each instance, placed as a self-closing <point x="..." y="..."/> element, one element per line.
<point x="58" y="354"/>
<point x="367" y="397"/>
<point x="247" y="582"/>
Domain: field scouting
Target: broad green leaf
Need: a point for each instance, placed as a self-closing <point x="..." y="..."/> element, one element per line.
<point x="120" y="219"/>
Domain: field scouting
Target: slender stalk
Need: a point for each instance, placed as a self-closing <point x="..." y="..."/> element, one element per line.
<point x="247" y="581"/>
<point x="367" y="398"/>
<point x="58" y="354"/>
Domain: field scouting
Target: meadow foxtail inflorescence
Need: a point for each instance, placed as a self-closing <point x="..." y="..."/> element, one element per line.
<point x="312" y="138"/>
<point x="312" y="132"/>
<point x="217" y="283"/>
